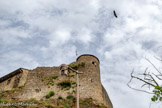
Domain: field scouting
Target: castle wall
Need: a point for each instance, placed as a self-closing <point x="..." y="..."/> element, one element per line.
<point x="106" y="98"/>
<point x="7" y="84"/>
<point x="37" y="83"/>
<point x="23" y="77"/>
<point x="35" y="87"/>
<point x="14" y="79"/>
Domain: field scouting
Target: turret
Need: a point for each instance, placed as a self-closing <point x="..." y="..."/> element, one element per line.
<point x="90" y="83"/>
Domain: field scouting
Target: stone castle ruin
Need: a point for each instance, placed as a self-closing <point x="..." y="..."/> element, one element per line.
<point x="38" y="82"/>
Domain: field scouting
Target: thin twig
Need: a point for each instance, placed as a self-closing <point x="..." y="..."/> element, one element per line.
<point x="135" y="88"/>
<point x="153" y="65"/>
<point x="154" y="80"/>
<point x="138" y="89"/>
<point x="143" y="80"/>
<point x="157" y="76"/>
<point x="158" y="58"/>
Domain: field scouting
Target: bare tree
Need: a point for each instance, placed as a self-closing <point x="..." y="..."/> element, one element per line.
<point x="150" y="80"/>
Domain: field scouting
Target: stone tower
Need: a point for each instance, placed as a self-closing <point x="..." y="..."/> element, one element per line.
<point x="90" y="79"/>
<point x="90" y="82"/>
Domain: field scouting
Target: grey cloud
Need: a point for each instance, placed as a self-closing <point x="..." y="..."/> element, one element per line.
<point x="149" y="44"/>
<point x="47" y="33"/>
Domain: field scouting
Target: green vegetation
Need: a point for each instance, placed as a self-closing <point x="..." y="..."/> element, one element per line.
<point x="65" y="84"/>
<point x="89" y="103"/>
<point x="73" y="83"/>
<point x="60" y="97"/>
<point x="69" y="97"/>
<point x="98" y="105"/>
<point x="74" y="91"/>
<point x="49" y="106"/>
<point x="55" y="77"/>
<point x="83" y="64"/>
<point x="4" y="101"/>
<point x="72" y="98"/>
<point x="22" y="86"/>
<point x="69" y="102"/>
<point x="50" y="94"/>
<point x="86" y="101"/>
<point x="50" y="81"/>
<point x="66" y="105"/>
<point x="8" y="93"/>
<point x="71" y="76"/>
<point x="2" y="94"/>
<point x="157" y="94"/>
<point x="76" y="66"/>
<point x="34" y="100"/>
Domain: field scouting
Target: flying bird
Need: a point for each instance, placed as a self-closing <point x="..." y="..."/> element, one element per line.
<point x="115" y="14"/>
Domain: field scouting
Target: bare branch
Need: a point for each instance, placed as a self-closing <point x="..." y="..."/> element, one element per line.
<point x="154" y="80"/>
<point x="143" y="85"/>
<point x="153" y="65"/>
<point x="146" y="70"/>
<point x="138" y="89"/>
<point x="142" y="80"/>
<point x="135" y="88"/>
<point x="157" y="76"/>
<point x="148" y="79"/>
<point x="160" y="59"/>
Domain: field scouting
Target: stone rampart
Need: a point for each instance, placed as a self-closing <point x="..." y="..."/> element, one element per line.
<point x="38" y="82"/>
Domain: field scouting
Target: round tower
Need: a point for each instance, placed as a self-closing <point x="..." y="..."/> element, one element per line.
<point x="90" y="83"/>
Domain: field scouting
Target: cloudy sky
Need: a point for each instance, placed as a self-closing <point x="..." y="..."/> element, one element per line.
<point x="48" y="33"/>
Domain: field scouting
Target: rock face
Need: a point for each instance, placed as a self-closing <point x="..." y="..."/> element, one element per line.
<point x="38" y="82"/>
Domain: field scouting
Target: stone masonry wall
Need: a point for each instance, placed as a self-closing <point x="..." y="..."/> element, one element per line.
<point x="36" y="81"/>
<point x="37" y="84"/>
<point x="23" y="78"/>
<point x="13" y="80"/>
<point x="35" y="87"/>
<point x="8" y="84"/>
<point x="106" y="98"/>
<point x="90" y="83"/>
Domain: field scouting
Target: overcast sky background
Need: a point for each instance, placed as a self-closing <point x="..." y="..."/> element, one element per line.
<point x="48" y="32"/>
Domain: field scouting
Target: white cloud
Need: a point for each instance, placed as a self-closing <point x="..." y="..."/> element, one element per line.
<point x="47" y="33"/>
<point x="85" y="36"/>
<point x="59" y="38"/>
